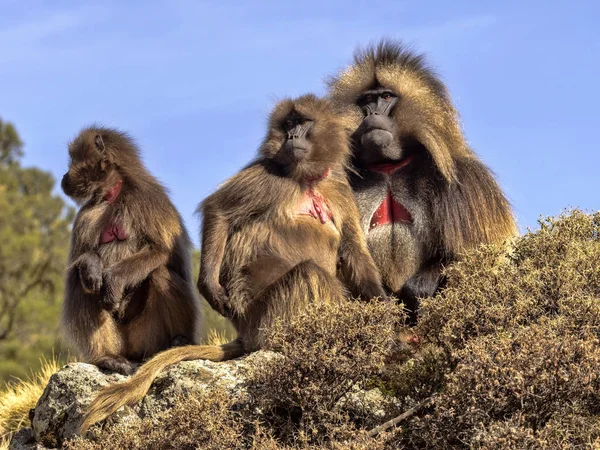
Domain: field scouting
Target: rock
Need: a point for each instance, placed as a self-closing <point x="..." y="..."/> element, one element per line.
<point x="25" y="440"/>
<point x="60" y="409"/>
<point x="369" y="403"/>
<point x="69" y="392"/>
<point x="61" y="406"/>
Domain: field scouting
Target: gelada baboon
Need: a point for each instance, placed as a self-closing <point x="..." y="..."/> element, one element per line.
<point x="423" y="195"/>
<point x="129" y="290"/>
<point x="272" y="238"/>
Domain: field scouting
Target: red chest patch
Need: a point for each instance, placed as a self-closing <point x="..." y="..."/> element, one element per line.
<point x="316" y="206"/>
<point x="390" y="211"/>
<point x="111" y="232"/>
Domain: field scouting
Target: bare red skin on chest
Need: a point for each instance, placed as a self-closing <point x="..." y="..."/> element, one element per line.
<point x="390" y="211"/>
<point x="113" y="230"/>
<point x="316" y="206"/>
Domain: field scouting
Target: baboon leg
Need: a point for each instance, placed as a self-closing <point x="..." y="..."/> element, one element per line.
<point x="171" y="310"/>
<point x="425" y="283"/>
<point x="92" y="329"/>
<point x="106" y="346"/>
<point x="305" y="283"/>
<point x="180" y="341"/>
<point x="252" y="280"/>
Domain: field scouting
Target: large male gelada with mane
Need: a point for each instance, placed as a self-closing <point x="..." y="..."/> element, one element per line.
<point x="423" y="195"/>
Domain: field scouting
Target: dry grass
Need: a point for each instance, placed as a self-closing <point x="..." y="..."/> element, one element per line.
<point x="19" y="396"/>
<point x="216" y="337"/>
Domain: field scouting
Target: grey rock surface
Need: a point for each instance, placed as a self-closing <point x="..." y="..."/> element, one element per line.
<point x="25" y="440"/>
<point x="60" y="409"/>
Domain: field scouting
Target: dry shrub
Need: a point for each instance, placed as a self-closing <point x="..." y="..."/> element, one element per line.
<point x="297" y="397"/>
<point x="510" y="348"/>
<point x="328" y="352"/>
<point x="553" y="271"/>
<point x="204" y="422"/>
<point x="520" y="334"/>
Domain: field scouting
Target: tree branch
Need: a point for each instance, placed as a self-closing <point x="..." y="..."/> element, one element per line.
<point x="405" y="415"/>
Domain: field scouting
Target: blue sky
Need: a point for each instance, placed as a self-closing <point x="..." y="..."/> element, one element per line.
<point x="194" y="81"/>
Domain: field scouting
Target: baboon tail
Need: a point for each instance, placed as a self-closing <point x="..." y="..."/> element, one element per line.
<point x="130" y="392"/>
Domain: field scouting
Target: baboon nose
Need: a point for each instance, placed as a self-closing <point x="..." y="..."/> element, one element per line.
<point x="65" y="182"/>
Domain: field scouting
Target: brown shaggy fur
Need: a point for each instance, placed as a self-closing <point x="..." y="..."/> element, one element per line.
<point x="453" y="200"/>
<point x="130" y="297"/>
<point x="262" y="258"/>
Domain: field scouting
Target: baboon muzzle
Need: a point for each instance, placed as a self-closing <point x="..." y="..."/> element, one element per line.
<point x="65" y="184"/>
<point x="377" y="132"/>
<point x="297" y="145"/>
<point x="298" y="148"/>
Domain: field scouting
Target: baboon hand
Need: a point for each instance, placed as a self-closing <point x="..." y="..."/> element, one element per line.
<point x="218" y="298"/>
<point x="90" y="274"/>
<point x="112" y="291"/>
<point x="117" y="364"/>
<point x="371" y="290"/>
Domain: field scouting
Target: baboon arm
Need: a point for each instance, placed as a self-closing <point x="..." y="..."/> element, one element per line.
<point x="88" y="269"/>
<point x="358" y="268"/>
<point x="134" y="269"/>
<point x="215" y="230"/>
<point x="82" y="259"/>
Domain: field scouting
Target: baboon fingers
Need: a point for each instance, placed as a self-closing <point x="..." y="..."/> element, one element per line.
<point x="115" y="363"/>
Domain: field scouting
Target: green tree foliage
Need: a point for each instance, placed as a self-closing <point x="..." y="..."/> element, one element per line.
<point x="11" y="146"/>
<point x="34" y="232"/>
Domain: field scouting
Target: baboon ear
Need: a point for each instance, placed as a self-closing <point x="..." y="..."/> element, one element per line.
<point x="99" y="143"/>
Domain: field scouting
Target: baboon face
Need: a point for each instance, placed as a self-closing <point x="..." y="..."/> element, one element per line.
<point x="296" y="147"/>
<point x="89" y="167"/>
<point x="377" y="137"/>
<point x="305" y="137"/>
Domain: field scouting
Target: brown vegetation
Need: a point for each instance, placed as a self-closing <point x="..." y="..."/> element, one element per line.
<point x="510" y="349"/>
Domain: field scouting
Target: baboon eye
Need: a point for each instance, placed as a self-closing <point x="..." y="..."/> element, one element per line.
<point x="289" y="124"/>
<point x="368" y="98"/>
<point x="386" y="96"/>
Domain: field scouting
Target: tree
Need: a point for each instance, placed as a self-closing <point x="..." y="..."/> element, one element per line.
<point x="34" y="236"/>
<point x="11" y="146"/>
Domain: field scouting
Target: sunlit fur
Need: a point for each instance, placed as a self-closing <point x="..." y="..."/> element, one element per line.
<point x="453" y="198"/>
<point x="328" y="131"/>
<point x="261" y="261"/>
<point x="146" y="276"/>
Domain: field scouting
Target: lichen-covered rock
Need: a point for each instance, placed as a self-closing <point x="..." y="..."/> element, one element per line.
<point x="60" y="408"/>
<point x="69" y="392"/>
<point x="371" y="403"/>
<point x="25" y="440"/>
<point x="192" y="377"/>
